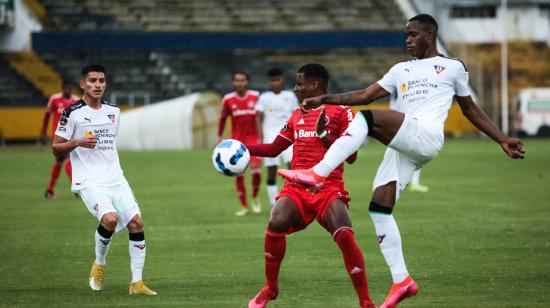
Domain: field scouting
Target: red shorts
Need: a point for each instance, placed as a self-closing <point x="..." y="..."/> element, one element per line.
<point x="313" y="205"/>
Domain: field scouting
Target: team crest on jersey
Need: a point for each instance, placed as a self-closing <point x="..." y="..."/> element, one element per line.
<point x="250" y="104"/>
<point x="285" y="127"/>
<point x="112" y="117"/>
<point x="439" y="69"/>
<point x="403" y="87"/>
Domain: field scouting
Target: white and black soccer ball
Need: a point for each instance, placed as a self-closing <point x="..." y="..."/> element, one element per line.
<point x="231" y="157"/>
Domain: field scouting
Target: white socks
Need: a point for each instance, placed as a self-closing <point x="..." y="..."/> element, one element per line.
<point x="416" y="177"/>
<point x="344" y="146"/>
<point x="390" y="245"/>
<point x="137" y="258"/>
<point x="271" y="193"/>
<point x="101" y="248"/>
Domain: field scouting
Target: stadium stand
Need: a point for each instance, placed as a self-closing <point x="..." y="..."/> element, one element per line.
<point x="220" y="15"/>
<point x="16" y="90"/>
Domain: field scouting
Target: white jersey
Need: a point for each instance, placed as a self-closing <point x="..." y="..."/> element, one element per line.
<point x="277" y="109"/>
<point x="98" y="166"/>
<point x="425" y="88"/>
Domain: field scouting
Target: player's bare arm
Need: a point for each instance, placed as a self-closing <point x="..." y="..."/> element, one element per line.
<point x="513" y="147"/>
<point x="353" y="98"/>
<point x="62" y="146"/>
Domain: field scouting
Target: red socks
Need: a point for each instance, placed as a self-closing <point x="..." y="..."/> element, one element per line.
<point x="241" y="190"/>
<point x="256" y="180"/>
<point x="274" y="251"/>
<point x="55" y="174"/>
<point x="353" y="259"/>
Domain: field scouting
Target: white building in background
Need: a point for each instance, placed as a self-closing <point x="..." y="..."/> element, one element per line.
<point x="479" y="21"/>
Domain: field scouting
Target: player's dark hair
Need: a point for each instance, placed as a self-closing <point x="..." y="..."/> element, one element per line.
<point x="92" y="68"/>
<point x="315" y="70"/>
<point x="425" y="19"/>
<point x="240" y="73"/>
<point x="274" y="72"/>
<point x="66" y="82"/>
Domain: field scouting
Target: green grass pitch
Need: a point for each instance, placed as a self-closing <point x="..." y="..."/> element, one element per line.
<point x="479" y="238"/>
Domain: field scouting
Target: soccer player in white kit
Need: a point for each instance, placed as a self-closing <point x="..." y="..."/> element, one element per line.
<point x="87" y="130"/>
<point x="425" y="88"/>
<point x="273" y="109"/>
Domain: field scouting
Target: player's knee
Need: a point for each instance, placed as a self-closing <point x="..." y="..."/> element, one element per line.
<point x="278" y="223"/>
<point x="109" y="221"/>
<point x="136" y="224"/>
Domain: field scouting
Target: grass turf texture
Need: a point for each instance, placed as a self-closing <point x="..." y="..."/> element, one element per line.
<point x="479" y="238"/>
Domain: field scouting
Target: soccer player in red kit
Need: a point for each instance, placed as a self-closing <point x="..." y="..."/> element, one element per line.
<point x="240" y="106"/>
<point x="297" y="206"/>
<point x="57" y="103"/>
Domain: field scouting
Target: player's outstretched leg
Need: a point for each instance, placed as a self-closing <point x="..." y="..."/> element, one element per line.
<point x="339" y="224"/>
<point x="340" y="150"/>
<point x="103" y="236"/>
<point x="380" y="124"/>
<point x="137" y="250"/>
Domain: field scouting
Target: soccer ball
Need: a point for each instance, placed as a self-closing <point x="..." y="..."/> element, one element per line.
<point x="231" y="157"/>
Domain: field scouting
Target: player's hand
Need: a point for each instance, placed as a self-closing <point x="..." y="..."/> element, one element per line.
<point x="87" y="142"/>
<point x="320" y="126"/>
<point x="513" y="147"/>
<point x="309" y="103"/>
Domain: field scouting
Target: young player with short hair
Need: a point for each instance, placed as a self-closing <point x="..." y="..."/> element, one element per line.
<point x="311" y="134"/>
<point x="240" y="106"/>
<point x="56" y="104"/>
<point x="425" y="87"/>
<point x="87" y="131"/>
<point x="273" y="109"/>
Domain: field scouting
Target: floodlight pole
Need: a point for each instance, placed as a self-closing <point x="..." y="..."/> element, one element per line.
<point x="504" y="67"/>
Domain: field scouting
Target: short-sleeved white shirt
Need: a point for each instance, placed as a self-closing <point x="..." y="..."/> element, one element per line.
<point x="425" y="88"/>
<point x="277" y="109"/>
<point x="100" y="165"/>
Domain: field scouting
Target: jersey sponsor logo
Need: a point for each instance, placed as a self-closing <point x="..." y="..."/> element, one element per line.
<point x="381" y="238"/>
<point x="439" y="69"/>
<point x="112" y="117"/>
<point x="305" y="134"/>
<point x="242" y="112"/>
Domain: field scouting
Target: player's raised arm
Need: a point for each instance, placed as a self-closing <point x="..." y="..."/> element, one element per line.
<point x="353" y="98"/>
<point x="513" y="147"/>
<point x="62" y="146"/>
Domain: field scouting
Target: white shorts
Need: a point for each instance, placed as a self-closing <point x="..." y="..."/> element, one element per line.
<point x="415" y="144"/>
<point x="118" y="199"/>
<point x="286" y="156"/>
